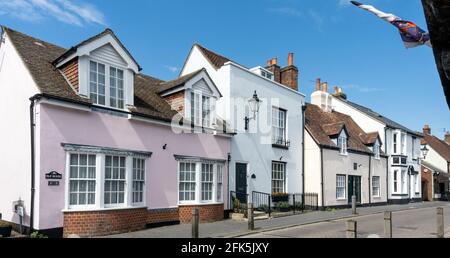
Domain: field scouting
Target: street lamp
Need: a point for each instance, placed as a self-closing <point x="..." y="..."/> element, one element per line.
<point x="254" y="104"/>
<point x="424" y="150"/>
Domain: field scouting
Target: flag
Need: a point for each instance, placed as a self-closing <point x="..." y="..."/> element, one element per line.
<point x="412" y="35"/>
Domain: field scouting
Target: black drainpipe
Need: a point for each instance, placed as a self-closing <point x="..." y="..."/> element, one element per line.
<point x="370" y="177"/>
<point x="303" y="154"/>
<point x="387" y="164"/>
<point x="32" y="131"/>
<point x="321" y="168"/>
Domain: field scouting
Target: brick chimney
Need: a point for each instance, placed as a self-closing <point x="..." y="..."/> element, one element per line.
<point x="325" y="87"/>
<point x="289" y="74"/>
<point x="318" y="84"/>
<point x="272" y="65"/>
<point x="447" y="137"/>
<point x="427" y="130"/>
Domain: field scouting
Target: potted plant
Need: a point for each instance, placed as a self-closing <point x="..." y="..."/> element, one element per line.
<point x="283" y="206"/>
<point x="280" y="197"/>
<point x="5" y="229"/>
<point x="263" y="208"/>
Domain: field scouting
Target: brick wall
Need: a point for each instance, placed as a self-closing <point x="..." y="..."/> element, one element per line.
<point x="162" y="215"/>
<point x="208" y="213"/>
<point x="70" y="70"/>
<point x="289" y="77"/>
<point x="100" y="223"/>
<point x="427" y="180"/>
<point x="176" y="101"/>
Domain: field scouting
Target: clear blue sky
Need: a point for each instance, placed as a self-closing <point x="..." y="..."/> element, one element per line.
<point x="331" y="39"/>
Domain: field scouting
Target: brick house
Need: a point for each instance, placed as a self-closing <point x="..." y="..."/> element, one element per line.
<point x="112" y="150"/>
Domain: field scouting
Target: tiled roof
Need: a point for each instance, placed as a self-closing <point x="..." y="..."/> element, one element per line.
<point x="390" y="123"/>
<point x="322" y="124"/>
<point x="215" y="59"/>
<point x="441" y="147"/>
<point x="38" y="56"/>
<point x="165" y="86"/>
<point x="370" y="138"/>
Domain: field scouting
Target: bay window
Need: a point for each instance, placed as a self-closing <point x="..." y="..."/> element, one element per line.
<point x="278" y="126"/>
<point x="200" y="181"/>
<point x="404" y="182"/>
<point x="100" y="178"/>
<point x="278" y="177"/>
<point x="394" y="143"/>
<point x="340" y="187"/>
<point x="395" y="176"/>
<point x="403" y="143"/>
<point x="82" y="175"/>
<point x="138" y="180"/>
<point x="106" y="85"/>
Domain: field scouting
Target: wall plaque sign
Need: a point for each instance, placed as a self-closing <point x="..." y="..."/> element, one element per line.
<point x="53" y="176"/>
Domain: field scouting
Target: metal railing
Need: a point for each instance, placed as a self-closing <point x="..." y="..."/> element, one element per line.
<point x="262" y="202"/>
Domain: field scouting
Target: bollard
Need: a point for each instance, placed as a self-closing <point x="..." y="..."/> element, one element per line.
<point x="251" y="221"/>
<point x="195" y="221"/>
<point x="352" y="229"/>
<point x="440" y="222"/>
<point x="354" y="205"/>
<point x="388" y="224"/>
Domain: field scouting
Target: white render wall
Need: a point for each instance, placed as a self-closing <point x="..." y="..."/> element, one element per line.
<point x="255" y="149"/>
<point x="15" y="161"/>
<point x="436" y="160"/>
<point x="313" y="173"/>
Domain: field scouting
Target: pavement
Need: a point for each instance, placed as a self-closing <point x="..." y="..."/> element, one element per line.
<point x="230" y="228"/>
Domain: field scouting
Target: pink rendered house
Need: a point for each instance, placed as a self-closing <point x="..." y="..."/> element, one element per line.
<point x="105" y="148"/>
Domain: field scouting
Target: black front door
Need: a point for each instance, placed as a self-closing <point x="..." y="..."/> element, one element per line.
<point x="241" y="182"/>
<point x="354" y="188"/>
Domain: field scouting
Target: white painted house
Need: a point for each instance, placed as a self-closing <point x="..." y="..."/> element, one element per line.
<point x="401" y="144"/>
<point x="266" y="152"/>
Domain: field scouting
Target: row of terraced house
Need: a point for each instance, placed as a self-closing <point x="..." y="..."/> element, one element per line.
<point x="92" y="146"/>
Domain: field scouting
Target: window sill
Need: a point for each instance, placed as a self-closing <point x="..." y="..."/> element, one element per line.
<point x="76" y="209"/>
<point x="200" y="204"/>
<point x="279" y="146"/>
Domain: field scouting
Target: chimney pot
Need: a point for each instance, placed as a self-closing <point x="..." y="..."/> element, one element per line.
<point x="274" y="61"/>
<point x="291" y="59"/>
<point x="318" y="84"/>
<point x="427" y="130"/>
<point x="325" y="87"/>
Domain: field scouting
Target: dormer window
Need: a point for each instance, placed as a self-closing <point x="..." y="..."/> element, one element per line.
<point x="106" y="85"/>
<point x="342" y="143"/>
<point x="377" y="150"/>
<point x="200" y="109"/>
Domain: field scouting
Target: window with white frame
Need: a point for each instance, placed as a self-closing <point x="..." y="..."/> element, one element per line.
<point x="403" y="143"/>
<point x="404" y="182"/>
<point x="187" y="181"/>
<point x="342" y="144"/>
<point x="376" y="186"/>
<point x="115" y="179"/>
<point x="340" y="187"/>
<point x="200" y="182"/>
<point x="201" y="109"/>
<point x="395" y="176"/>
<point x="116" y="88"/>
<point x="138" y="180"/>
<point x="377" y="150"/>
<point x="219" y="196"/>
<point x="97" y="83"/>
<point x="106" y="85"/>
<point x="395" y="143"/>
<point x="278" y="177"/>
<point x="279" y="126"/>
<point x="82" y="179"/>
<point x="100" y="178"/>
<point x="207" y="182"/>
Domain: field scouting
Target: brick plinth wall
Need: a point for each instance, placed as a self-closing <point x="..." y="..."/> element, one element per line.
<point x="100" y="223"/>
<point x="208" y="213"/>
<point x="162" y="215"/>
